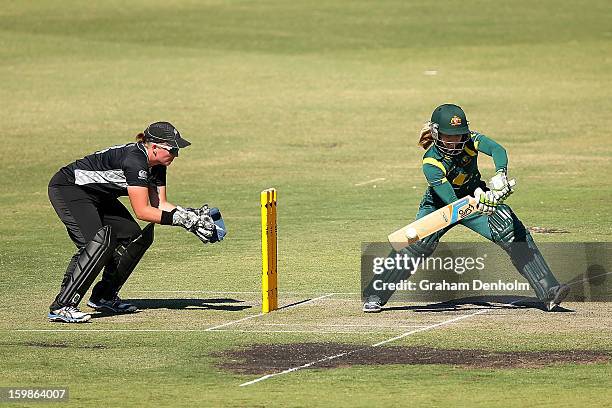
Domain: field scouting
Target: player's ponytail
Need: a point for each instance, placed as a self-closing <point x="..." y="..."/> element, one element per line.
<point x="425" y="138"/>
<point x="140" y="137"/>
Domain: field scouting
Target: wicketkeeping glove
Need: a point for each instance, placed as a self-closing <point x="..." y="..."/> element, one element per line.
<point x="501" y="186"/>
<point x="211" y="218"/>
<point x="209" y="227"/>
<point x="487" y="202"/>
<point x="195" y="221"/>
<point x="185" y="217"/>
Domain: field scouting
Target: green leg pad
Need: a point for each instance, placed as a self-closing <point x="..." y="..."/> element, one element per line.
<point x="510" y="233"/>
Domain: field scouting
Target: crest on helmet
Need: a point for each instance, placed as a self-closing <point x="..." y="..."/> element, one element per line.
<point x="455" y="121"/>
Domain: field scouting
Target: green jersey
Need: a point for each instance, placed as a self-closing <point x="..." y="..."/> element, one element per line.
<point x="453" y="177"/>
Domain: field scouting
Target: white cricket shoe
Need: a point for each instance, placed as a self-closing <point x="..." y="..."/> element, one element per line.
<point x="561" y="293"/>
<point x="68" y="314"/>
<point x="372" y="304"/>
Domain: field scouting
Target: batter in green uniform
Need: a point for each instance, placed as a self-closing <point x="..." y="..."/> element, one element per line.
<point x="450" y="165"/>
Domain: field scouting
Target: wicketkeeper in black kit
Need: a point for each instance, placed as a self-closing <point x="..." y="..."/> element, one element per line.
<point x="84" y="195"/>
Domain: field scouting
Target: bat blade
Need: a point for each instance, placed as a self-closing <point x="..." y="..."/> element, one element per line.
<point x="437" y="220"/>
<point x="434" y="222"/>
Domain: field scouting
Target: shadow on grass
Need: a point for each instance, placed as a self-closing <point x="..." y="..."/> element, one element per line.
<point x="226" y="304"/>
<point x="479" y="303"/>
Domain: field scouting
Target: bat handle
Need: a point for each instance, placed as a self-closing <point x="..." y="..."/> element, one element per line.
<point x="512" y="182"/>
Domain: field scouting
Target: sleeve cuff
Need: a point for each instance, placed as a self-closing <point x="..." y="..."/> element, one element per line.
<point x="166" y="217"/>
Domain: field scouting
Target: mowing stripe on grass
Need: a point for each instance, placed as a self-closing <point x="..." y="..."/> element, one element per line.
<point x="363" y="183"/>
<point x="408" y="333"/>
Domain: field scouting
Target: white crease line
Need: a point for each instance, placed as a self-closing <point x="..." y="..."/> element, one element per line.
<point x="433" y="326"/>
<point x="307" y="302"/>
<point x="235" y="321"/>
<point x="363" y="183"/>
<point x="340" y="325"/>
<point x="192" y="331"/>
<point x="111" y="330"/>
<point x="214" y="328"/>
<point x="215" y="292"/>
<point x="290" y="370"/>
<point x="297" y="331"/>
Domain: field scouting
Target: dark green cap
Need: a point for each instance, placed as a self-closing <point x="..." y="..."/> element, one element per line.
<point x="450" y="119"/>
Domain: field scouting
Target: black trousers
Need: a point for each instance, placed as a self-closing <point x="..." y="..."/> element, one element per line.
<point x="84" y="213"/>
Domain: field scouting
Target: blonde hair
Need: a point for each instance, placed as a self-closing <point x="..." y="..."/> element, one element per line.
<point x="425" y="137"/>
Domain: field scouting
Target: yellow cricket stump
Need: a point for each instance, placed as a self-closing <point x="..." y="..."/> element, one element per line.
<point x="269" y="290"/>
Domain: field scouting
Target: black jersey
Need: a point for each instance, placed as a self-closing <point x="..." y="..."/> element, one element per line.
<point x="111" y="171"/>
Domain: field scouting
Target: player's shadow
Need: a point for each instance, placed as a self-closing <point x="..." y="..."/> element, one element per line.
<point x="225" y="304"/>
<point x="480" y="303"/>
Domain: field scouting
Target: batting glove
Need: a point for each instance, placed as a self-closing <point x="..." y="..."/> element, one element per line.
<point x="487" y="202"/>
<point x="500" y="186"/>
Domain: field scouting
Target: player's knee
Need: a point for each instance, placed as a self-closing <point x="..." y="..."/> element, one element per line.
<point x="423" y="247"/>
<point x="129" y="232"/>
<point x="147" y="234"/>
<point x="506" y="227"/>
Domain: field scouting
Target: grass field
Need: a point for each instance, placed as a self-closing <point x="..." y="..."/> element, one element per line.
<point x="322" y="100"/>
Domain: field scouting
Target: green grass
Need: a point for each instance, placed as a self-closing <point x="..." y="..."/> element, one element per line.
<point x="312" y="98"/>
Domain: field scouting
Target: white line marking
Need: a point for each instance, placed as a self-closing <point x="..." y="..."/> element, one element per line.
<point x="307" y="302"/>
<point x="214" y="328"/>
<point x="433" y="326"/>
<point x="209" y="330"/>
<point x="290" y="370"/>
<point x="297" y="331"/>
<point x="363" y="183"/>
<point x="341" y="325"/>
<point x="110" y="330"/>
<point x="215" y="292"/>
<point x="234" y="322"/>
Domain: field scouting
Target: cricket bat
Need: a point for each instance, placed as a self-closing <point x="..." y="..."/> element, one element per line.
<point x="445" y="216"/>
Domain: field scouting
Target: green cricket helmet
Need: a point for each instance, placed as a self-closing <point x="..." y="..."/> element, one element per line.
<point x="449" y="119"/>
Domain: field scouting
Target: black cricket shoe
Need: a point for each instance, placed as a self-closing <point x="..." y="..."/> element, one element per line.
<point x="116" y="305"/>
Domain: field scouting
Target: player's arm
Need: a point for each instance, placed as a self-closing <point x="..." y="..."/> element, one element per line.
<point x="199" y="222"/>
<point x="435" y="173"/>
<point x="146" y="208"/>
<point x="158" y="198"/>
<point x="491" y="148"/>
<point x="157" y="189"/>
<point x="499" y="184"/>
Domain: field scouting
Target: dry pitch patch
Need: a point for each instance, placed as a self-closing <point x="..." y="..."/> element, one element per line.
<point x="267" y="358"/>
<point x="587" y="319"/>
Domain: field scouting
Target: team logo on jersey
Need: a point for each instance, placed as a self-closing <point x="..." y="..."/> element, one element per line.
<point x="143" y="175"/>
<point x="455" y="121"/>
